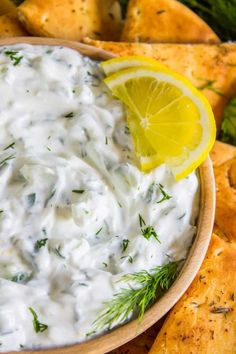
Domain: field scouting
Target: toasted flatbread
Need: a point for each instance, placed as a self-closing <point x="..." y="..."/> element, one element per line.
<point x="164" y="21"/>
<point x="7" y="6"/>
<point x="10" y="26"/>
<point x="111" y="19"/>
<point x="72" y="19"/>
<point x="204" y="320"/>
<point x="211" y="68"/>
<point x="222" y="153"/>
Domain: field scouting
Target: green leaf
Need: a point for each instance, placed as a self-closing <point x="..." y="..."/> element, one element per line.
<point x="144" y="287"/>
<point x="228" y="128"/>
<point x="219" y="14"/>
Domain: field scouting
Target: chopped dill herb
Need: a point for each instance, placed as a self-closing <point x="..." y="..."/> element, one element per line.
<point x="148" y="231"/>
<point x="106" y="141"/>
<point x="1" y="211"/>
<point x="182" y="216"/>
<point x="31" y="199"/>
<point x="49" y="198"/>
<point x="38" y="326"/>
<point x="40" y="243"/>
<point x="141" y="221"/>
<point x="21" y="278"/>
<point x="105" y="264"/>
<point x="98" y="232"/>
<point x="12" y="54"/>
<point x="57" y="250"/>
<point x="8" y="158"/>
<point x="209" y="85"/>
<point x="90" y="333"/>
<point x="9" y="146"/>
<point x="148" y="285"/>
<point x="125" y="244"/>
<point x="69" y="115"/>
<point x="130" y="259"/>
<point x="165" y="195"/>
<point x="78" y="191"/>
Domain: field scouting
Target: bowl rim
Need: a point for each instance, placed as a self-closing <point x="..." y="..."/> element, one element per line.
<point x="130" y="330"/>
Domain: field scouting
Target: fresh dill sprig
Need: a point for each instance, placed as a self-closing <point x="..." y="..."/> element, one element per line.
<point x="165" y="195"/>
<point x="139" y="296"/>
<point x="8" y="158"/>
<point x="219" y="14"/>
<point x="38" y="326"/>
<point x="147" y="231"/>
<point x="12" y="54"/>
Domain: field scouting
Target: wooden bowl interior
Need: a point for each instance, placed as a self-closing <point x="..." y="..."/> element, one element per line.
<point x="128" y="331"/>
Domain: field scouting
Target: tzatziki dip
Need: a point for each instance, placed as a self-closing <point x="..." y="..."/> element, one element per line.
<point x="76" y="213"/>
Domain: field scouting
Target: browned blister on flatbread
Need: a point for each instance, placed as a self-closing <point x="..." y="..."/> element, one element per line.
<point x="10" y="26"/>
<point x="204" y="320"/>
<point x="211" y="68"/>
<point x="164" y="21"/>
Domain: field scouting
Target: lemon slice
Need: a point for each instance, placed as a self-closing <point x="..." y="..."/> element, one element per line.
<point x="169" y="119"/>
<point x="113" y="65"/>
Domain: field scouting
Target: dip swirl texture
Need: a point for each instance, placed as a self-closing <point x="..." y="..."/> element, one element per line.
<point x="71" y="197"/>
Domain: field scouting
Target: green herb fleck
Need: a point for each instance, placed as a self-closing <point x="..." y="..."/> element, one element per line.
<point x="209" y="85"/>
<point x="9" y="146"/>
<point x="13" y="56"/>
<point x="148" y="285"/>
<point x="8" y="158"/>
<point x="228" y="128"/>
<point x="90" y="333"/>
<point x="40" y="243"/>
<point x="38" y="326"/>
<point x="57" y="250"/>
<point x="106" y="140"/>
<point x="125" y="244"/>
<point x="165" y="195"/>
<point x="219" y="14"/>
<point x="1" y="211"/>
<point x="105" y="264"/>
<point x="21" y="278"/>
<point x="69" y="115"/>
<point x="148" y="231"/>
<point x="98" y="232"/>
<point x="78" y="191"/>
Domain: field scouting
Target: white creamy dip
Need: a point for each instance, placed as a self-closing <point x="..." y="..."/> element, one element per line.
<point x="71" y="196"/>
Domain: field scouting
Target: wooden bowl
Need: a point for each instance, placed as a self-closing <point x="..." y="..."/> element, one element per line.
<point x="128" y="331"/>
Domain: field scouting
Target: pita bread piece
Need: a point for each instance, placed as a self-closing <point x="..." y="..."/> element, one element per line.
<point x="204" y="320"/>
<point x="68" y="19"/>
<point x="225" y="175"/>
<point x="164" y="21"/>
<point x="211" y="68"/>
<point x="221" y="153"/>
<point x="111" y="19"/>
<point x="11" y="27"/>
<point x="7" y="6"/>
